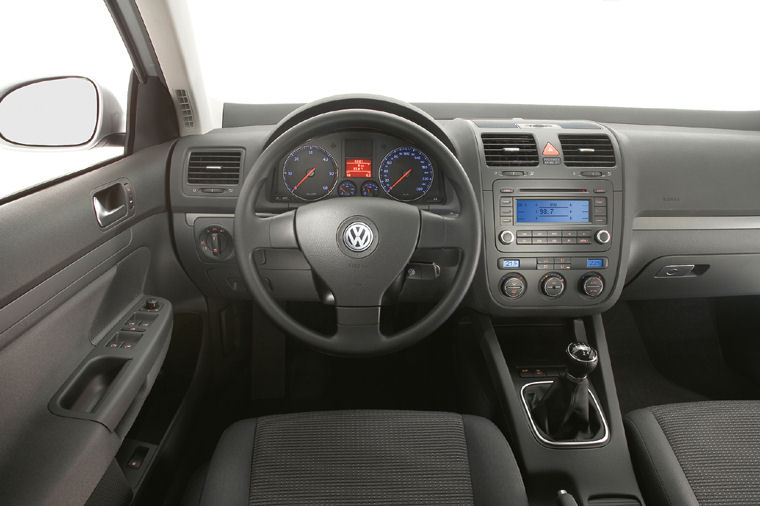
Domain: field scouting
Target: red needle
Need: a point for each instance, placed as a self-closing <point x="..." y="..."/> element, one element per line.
<point x="304" y="178"/>
<point x="399" y="179"/>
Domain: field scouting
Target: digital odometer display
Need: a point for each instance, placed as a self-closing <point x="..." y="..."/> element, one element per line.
<point x="552" y="211"/>
<point x="358" y="167"/>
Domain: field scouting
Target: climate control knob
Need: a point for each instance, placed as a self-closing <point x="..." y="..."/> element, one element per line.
<point x="552" y="285"/>
<point x="506" y="237"/>
<point x="592" y="284"/>
<point x="603" y="237"/>
<point x="513" y="285"/>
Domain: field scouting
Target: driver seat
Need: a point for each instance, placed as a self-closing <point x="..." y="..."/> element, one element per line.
<point x="363" y="457"/>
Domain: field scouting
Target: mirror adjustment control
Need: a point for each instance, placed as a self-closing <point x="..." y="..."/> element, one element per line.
<point x="552" y="285"/>
<point x="592" y="284"/>
<point x="603" y="237"/>
<point x="506" y="237"/>
<point x="513" y="285"/>
<point x="151" y="304"/>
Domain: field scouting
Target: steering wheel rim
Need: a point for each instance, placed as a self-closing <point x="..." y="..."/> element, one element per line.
<point x="358" y="331"/>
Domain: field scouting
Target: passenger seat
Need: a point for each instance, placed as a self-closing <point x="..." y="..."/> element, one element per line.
<point x="697" y="453"/>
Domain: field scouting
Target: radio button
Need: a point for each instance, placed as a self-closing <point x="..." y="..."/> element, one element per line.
<point x="598" y="210"/>
<point x="584" y="240"/>
<point x="569" y="240"/>
<point x="507" y="201"/>
<point x="506" y="237"/>
<point x="600" y="220"/>
<point x="540" y="240"/>
<point x="603" y="237"/>
<point x="584" y="233"/>
<point x="507" y="190"/>
<point x="555" y="240"/>
<point x="600" y="201"/>
<point x="554" y="233"/>
<point x="569" y="233"/>
<point x="505" y="211"/>
<point x="524" y="240"/>
<point x="524" y="233"/>
<point x="540" y="233"/>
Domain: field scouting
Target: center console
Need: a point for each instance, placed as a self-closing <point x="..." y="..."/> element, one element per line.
<point x="552" y="205"/>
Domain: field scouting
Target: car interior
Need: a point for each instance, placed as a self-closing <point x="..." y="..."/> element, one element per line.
<point x="360" y="300"/>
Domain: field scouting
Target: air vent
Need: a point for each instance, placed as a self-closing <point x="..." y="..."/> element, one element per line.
<point x="587" y="150"/>
<point x="214" y="167"/>
<point x="185" y="108"/>
<point x="510" y="150"/>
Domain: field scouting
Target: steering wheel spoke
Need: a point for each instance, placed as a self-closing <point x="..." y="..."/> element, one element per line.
<point x="276" y="231"/>
<point x="438" y="231"/>
<point x="358" y="326"/>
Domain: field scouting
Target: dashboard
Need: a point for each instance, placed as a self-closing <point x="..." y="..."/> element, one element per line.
<point x="355" y="163"/>
<point x="575" y="213"/>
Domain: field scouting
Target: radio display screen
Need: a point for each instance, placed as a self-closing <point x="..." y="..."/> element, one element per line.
<point x="552" y="211"/>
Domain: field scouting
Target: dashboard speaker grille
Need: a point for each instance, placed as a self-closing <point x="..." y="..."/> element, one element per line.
<point x="510" y="150"/>
<point x="587" y="150"/>
<point x="214" y="167"/>
<point x="185" y="108"/>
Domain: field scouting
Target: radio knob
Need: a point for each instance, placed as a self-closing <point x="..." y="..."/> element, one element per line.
<point x="506" y="237"/>
<point x="552" y="285"/>
<point x="603" y="237"/>
<point x="513" y="285"/>
<point x="592" y="284"/>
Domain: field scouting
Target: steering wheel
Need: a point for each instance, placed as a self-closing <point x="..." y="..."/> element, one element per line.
<point x="358" y="246"/>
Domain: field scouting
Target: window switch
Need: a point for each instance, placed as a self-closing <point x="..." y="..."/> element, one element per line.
<point x="137" y="458"/>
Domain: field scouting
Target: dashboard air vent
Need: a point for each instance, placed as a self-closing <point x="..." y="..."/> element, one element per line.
<point x="587" y="150"/>
<point x="510" y="150"/>
<point x="214" y="167"/>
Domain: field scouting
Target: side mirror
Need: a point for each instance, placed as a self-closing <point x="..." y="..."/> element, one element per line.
<point x="60" y="113"/>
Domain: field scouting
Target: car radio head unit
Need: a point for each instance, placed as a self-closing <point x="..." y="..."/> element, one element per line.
<point x="552" y="211"/>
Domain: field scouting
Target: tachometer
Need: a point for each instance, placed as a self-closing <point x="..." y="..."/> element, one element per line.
<point x="406" y="174"/>
<point x="310" y="172"/>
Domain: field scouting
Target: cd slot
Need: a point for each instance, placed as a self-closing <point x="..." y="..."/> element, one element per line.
<point x="554" y="190"/>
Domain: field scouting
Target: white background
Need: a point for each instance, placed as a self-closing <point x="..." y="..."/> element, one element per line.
<point x="636" y="53"/>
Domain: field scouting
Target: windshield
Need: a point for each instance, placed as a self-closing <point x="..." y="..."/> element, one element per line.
<point x="629" y="53"/>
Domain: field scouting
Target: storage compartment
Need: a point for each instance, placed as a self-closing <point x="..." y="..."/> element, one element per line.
<point x="86" y="392"/>
<point x="689" y="276"/>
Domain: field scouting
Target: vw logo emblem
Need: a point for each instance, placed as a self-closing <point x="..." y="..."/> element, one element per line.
<point x="358" y="236"/>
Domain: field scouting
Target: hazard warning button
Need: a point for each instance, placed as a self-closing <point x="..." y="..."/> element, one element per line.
<point x="550" y="150"/>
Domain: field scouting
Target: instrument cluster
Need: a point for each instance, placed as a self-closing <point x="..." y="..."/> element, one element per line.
<point x="357" y="163"/>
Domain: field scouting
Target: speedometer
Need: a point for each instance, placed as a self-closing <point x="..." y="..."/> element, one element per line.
<point x="310" y="172"/>
<point x="406" y="174"/>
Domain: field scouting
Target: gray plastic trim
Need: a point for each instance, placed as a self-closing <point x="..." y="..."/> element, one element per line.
<point x="561" y="444"/>
<point x="696" y="222"/>
<point x="191" y="217"/>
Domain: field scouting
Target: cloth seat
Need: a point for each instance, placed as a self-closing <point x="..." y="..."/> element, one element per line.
<point x="705" y="453"/>
<point x="363" y="457"/>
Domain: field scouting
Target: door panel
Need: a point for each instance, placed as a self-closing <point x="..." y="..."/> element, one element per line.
<point x="68" y="286"/>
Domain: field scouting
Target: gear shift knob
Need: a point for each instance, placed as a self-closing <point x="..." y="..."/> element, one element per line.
<point x="582" y="359"/>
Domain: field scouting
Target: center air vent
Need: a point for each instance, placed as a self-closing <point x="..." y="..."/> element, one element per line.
<point x="510" y="150"/>
<point x="587" y="150"/>
<point x="214" y="167"/>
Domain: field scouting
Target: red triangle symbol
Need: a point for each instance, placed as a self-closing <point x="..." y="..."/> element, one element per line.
<point x="550" y="150"/>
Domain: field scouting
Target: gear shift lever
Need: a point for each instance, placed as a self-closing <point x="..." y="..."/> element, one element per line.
<point x="582" y="359"/>
<point x="562" y="411"/>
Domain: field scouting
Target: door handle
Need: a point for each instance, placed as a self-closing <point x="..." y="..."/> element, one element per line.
<point x="110" y="204"/>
